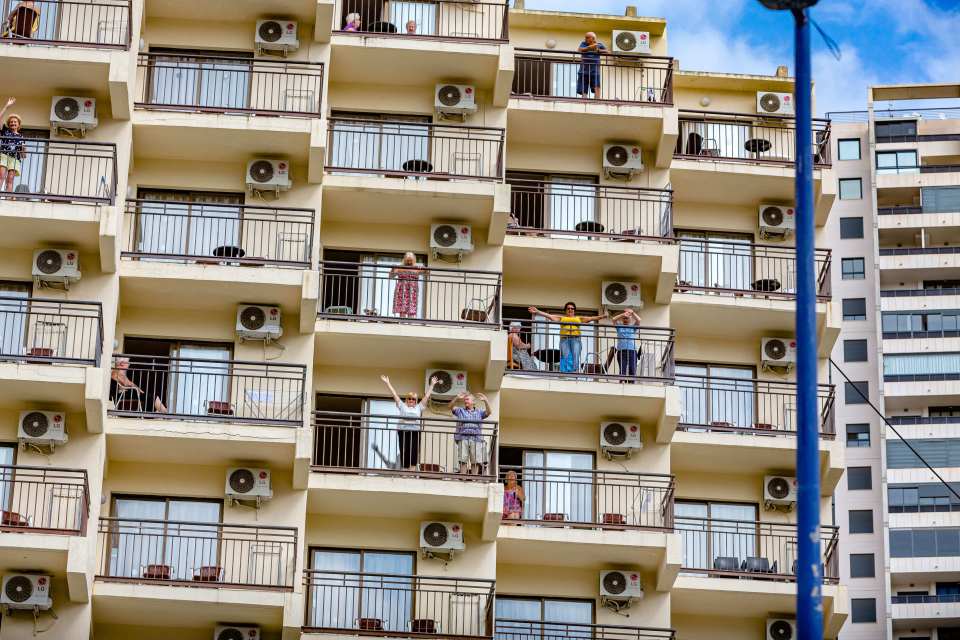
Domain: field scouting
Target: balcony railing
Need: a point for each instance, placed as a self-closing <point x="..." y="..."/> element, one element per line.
<point x="924" y="419"/>
<point x="392" y="293"/>
<point x="527" y="630"/>
<point x="566" y="75"/>
<point x="592" y="499"/>
<point x="56" y="171"/>
<point x="919" y="251"/>
<point x="373" y="444"/>
<point x="645" y="353"/>
<point x="458" y="20"/>
<point x="102" y="25"/>
<point x="223" y="84"/>
<point x="938" y="598"/>
<point x="209" y="390"/>
<point x="589" y="211"/>
<point x="940" y="168"/>
<point x="743" y="549"/>
<point x="41" y="330"/>
<point x="914" y="293"/>
<point x="891" y="211"/>
<point x="414" y="149"/>
<point x="197" y="554"/>
<point x="734" y="405"/>
<point x="741" y="268"/>
<point x="210" y="233"/>
<point x="44" y="500"/>
<point x="398" y="605"/>
<point x="747" y="138"/>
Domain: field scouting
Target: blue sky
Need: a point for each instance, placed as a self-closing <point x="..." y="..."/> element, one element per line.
<point x="881" y="41"/>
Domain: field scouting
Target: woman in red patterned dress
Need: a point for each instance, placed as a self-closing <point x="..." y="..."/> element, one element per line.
<point x="406" y="295"/>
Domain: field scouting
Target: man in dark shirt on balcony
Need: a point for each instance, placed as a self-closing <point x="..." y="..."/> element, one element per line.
<point x="588" y="77"/>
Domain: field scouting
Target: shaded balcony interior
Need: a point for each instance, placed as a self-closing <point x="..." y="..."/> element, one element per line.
<point x="65" y="171"/>
<point x="99" y="25"/>
<point x="454" y="20"/>
<point x="48" y="500"/>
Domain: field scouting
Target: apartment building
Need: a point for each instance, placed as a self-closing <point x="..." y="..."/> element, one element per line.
<point x="238" y="227"/>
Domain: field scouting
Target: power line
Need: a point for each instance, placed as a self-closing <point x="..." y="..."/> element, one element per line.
<point x="892" y="428"/>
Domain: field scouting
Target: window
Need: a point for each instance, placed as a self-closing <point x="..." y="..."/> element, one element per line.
<point x="940" y="199"/>
<point x="858" y="435"/>
<point x="897" y="162"/>
<point x="188" y="223"/>
<point x="559" y="202"/>
<point x="854" y="309"/>
<point x="855" y="350"/>
<point x="554" y="482"/>
<point x="369" y="142"/>
<point x="532" y="617"/>
<point x="938" y="452"/>
<point x="924" y="543"/>
<point x="13" y="318"/>
<point x="717" y="260"/>
<point x="717" y="395"/>
<point x="862" y="565"/>
<point x="358" y="283"/>
<point x="863" y="609"/>
<point x="923" y="498"/>
<point x="853" y="269"/>
<point x="921" y="366"/>
<point x="905" y="128"/>
<point x="851" y="228"/>
<point x="213" y="80"/>
<point x="710" y="530"/>
<point x="859" y="478"/>
<point x="848" y="149"/>
<point x="851" y="189"/>
<point x="852" y="392"/>
<point x="861" y="521"/>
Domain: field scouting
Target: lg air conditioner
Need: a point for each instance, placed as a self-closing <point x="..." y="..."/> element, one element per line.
<point x="451" y="239"/>
<point x="258" y="322"/>
<point x="771" y="103"/>
<point x="781" y="629"/>
<point x="73" y="114"/>
<point x="276" y="35"/>
<point x="454" y="99"/>
<point x="26" y="591"/>
<point x="441" y="538"/>
<point x="268" y="175"/>
<point x="42" y="428"/>
<point x="619" y="439"/>
<point x="621" y="295"/>
<point x="620" y="587"/>
<point x="450" y="383"/>
<point x="631" y="42"/>
<point x="56" y="266"/>
<point x="246" y="483"/>
<point x="778" y="353"/>
<point x="779" y="491"/>
<point x="622" y="161"/>
<point x="777" y="222"/>
<point x="236" y="632"/>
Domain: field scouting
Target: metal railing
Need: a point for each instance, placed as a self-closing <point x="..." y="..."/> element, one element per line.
<point x="567" y="75"/>
<point x="743" y="268"/>
<point x="590" y="211"/>
<point x="593" y="499"/>
<point x="600" y="353"/>
<point x="918" y="251"/>
<point x="101" y="25"/>
<point x="57" y="171"/>
<point x="914" y="293"/>
<point x="211" y="233"/>
<point x="42" y="330"/>
<point x="461" y="20"/>
<point x="44" y="500"/>
<point x="388" y="445"/>
<point x="918" y="598"/>
<point x="391" y="292"/>
<point x="224" y="84"/>
<point x="734" y="405"/>
<point x="527" y="630"/>
<point x="924" y="419"/>
<point x="206" y="389"/>
<point x="939" y="168"/>
<point x="890" y="211"/>
<point x="398" y="605"/>
<point x="198" y="554"/>
<point x="747" y="138"/>
<point x="414" y="149"/>
<point x="743" y="549"/>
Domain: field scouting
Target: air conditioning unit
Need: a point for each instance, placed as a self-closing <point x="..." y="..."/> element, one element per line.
<point x="60" y="266"/>
<point x="451" y="383"/>
<point x="631" y="42"/>
<point x="42" y="428"/>
<point x="245" y="483"/>
<point x="781" y="629"/>
<point x="622" y="160"/>
<point x="451" y="239"/>
<point x="777" y="222"/>
<point x="441" y="538"/>
<point x="620" y="586"/>
<point x="235" y="632"/>
<point x="779" y="491"/>
<point x="26" y="591"/>
<point x="621" y="295"/>
<point x="72" y="114"/>
<point x="778" y="353"/>
<point x="268" y="175"/>
<point x="454" y="99"/>
<point x="257" y="322"/>
<point x="276" y="35"/>
<point x="619" y="439"/>
<point x="770" y="103"/>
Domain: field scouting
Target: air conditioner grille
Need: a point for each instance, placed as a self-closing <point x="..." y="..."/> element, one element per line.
<point x="445" y="235"/>
<point x="19" y="589"/>
<point x="615" y="433"/>
<point x="67" y="108"/>
<point x="772" y="216"/>
<point x="241" y="480"/>
<point x="49" y="262"/>
<point x="445" y="382"/>
<point x="770" y="102"/>
<point x="261" y="171"/>
<point x="230" y="634"/>
<point x="253" y="318"/>
<point x="435" y="534"/>
<point x="775" y="349"/>
<point x="778" y="488"/>
<point x="614" y="583"/>
<point x="615" y="293"/>
<point x="35" y="424"/>
<point x="626" y="41"/>
<point x="781" y="630"/>
<point x="270" y="31"/>
<point x="617" y="156"/>
<point x="449" y="95"/>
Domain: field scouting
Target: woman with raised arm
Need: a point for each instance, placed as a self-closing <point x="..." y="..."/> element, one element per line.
<point x="12" y="148"/>
<point x="628" y="331"/>
<point x="570" y="345"/>
<point x="409" y="424"/>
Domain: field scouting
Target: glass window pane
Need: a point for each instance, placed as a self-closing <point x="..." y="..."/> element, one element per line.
<point x="135" y="543"/>
<point x="849" y="149"/>
<point x="863" y="609"/>
<point x="851" y="189"/>
<point x="851" y="228"/>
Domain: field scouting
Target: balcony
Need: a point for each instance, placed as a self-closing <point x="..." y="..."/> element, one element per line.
<point x="917" y="263"/>
<point x="207" y="571"/>
<point x="932" y="610"/>
<point x="374" y="313"/>
<point x="556" y="223"/>
<point x="402" y="473"/>
<point x="527" y="630"/>
<point x="390" y="605"/>
<point x="923" y="175"/>
<point x="316" y="15"/>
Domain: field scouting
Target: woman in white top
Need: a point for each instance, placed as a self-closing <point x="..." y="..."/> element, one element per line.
<point x="408" y="425"/>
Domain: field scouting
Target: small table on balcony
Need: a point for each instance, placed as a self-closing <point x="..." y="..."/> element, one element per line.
<point x="550" y="357"/>
<point x="757" y="145"/>
<point x="417" y="166"/>
<point x="383" y="27"/>
<point x="228" y="251"/>
<point x="766" y="285"/>
<point x="590" y="226"/>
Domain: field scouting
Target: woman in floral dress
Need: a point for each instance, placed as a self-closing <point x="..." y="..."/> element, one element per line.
<point x="406" y="294"/>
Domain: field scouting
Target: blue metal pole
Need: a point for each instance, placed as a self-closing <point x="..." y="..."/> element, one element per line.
<point x="809" y="568"/>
